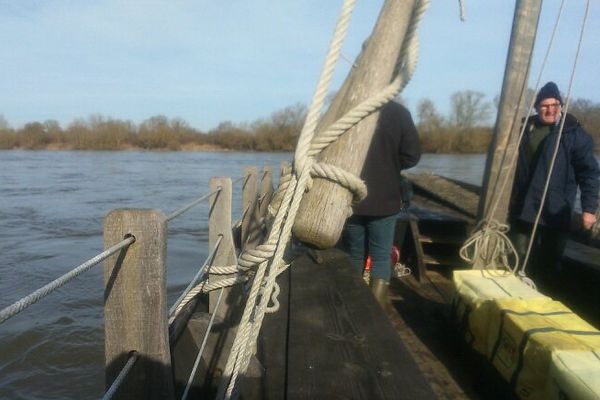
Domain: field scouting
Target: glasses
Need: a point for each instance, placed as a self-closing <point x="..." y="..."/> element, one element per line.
<point x="553" y="106"/>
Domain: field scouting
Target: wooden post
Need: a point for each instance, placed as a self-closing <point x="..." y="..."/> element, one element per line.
<point x="285" y="169"/>
<point x="324" y="208"/>
<point x="219" y="226"/>
<point x="135" y="304"/>
<point x="248" y="202"/>
<point x="266" y="191"/>
<point x="228" y="314"/>
<point x="260" y="209"/>
<point x="510" y="111"/>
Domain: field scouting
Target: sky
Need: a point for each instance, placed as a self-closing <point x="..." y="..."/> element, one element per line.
<point x="208" y="62"/>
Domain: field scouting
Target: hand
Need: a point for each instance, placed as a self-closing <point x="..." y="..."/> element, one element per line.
<point x="588" y="220"/>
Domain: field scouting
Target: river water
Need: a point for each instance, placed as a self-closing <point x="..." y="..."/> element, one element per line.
<point x="51" y="209"/>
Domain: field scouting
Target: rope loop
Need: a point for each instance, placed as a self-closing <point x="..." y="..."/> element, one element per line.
<point x="336" y="174"/>
<point x="490" y="244"/>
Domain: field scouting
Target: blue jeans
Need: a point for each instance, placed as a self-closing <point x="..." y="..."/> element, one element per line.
<point x="374" y="236"/>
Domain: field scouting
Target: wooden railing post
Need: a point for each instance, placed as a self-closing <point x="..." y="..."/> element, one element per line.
<point x="266" y="191"/>
<point x="135" y="304"/>
<point x="248" y="201"/>
<point x="260" y="209"/>
<point x="219" y="227"/>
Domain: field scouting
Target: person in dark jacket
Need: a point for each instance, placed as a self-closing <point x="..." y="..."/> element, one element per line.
<point x="370" y="230"/>
<point x="575" y="167"/>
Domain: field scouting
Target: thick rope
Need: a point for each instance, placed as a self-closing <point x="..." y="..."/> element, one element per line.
<point x="264" y="281"/>
<point x="235" y="362"/>
<point x="204" y="287"/>
<point x="490" y="230"/>
<point x="45" y="290"/>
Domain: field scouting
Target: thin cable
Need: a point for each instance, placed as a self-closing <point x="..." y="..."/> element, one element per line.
<point x="201" y="351"/>
<point x="529" y="110"/>
<point x="489" y="227"/>
<point x="45" y="290"/>
<point x="196" y="277"/>
<point x="560" y="133"/>
<point x="183" y="209"/>
<point x="133" y="357"/>
<point x="239" y="179"/>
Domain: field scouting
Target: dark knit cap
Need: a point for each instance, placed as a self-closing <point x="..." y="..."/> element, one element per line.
<point x="548" y="91"/>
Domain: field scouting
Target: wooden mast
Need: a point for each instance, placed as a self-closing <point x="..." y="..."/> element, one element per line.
<point x="510" y="111"/>
<point x="324" y="208"/>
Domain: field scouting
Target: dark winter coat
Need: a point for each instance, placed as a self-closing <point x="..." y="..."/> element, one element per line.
<point x="395" y="146"/>
<point x="575" y="165"/>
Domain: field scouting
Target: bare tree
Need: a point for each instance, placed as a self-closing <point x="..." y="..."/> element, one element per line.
<point x="469" y="109"/>
<point x="430" y="120"/>
<point x="3" y="123"/>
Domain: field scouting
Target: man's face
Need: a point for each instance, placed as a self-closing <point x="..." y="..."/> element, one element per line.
<point x="549" y="111"/>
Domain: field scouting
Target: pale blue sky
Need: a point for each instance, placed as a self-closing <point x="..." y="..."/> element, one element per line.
<point x="213" y="61"/>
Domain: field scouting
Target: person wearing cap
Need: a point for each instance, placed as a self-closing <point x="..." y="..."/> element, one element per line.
<point x="370" y="230"/>
<point x="575" y="167"/>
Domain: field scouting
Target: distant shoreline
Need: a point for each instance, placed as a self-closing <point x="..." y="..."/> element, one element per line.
<point x="183" y="148"/>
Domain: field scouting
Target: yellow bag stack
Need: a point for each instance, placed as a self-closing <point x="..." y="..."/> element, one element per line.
<point x="574" y="375"/>
<point x="476" y="291"/>
<point x="525" y="334"/>
<point x="538" y="345"/>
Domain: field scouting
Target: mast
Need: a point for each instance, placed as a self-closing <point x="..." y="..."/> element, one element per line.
<point x="324" y="208"/>
<point x="508" y="121"/>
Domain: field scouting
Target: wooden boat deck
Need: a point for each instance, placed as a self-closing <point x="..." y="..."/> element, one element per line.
<point x="337" y="342"/>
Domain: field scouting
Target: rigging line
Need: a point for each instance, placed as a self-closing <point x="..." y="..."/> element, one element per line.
<point x="45" y="290"/>
<point x="204" y="341"/>
<point x="133" y="357"/>
<point x="239" y="179"/>
<point x="486" y="231"/>
<point x="200" y="272"/>
<point x="529" y="110"/>
<point x="560" y="133"/>
<point x="241" y="351"/>
<point x="183" y="209"/>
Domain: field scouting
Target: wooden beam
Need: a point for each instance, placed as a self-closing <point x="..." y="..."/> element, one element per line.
<point x="324" y="208"/>
<point x="135" y="305"/>
<point x="510" y="111"/>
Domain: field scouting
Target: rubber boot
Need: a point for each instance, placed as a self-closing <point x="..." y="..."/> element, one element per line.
<point x="379" y="287"/>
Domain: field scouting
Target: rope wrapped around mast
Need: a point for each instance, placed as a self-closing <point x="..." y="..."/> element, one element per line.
<point x="270" y="261"/>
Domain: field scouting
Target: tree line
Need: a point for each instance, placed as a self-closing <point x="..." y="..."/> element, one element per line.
<point x="466" y="129"/>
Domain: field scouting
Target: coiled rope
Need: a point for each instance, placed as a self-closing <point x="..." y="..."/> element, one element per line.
<point x="268" y="257"/>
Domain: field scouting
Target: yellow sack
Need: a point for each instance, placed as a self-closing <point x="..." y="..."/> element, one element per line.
<point x="475" y="292"/>
<point x="525" y="333"/>
<point x="574" y="375"/>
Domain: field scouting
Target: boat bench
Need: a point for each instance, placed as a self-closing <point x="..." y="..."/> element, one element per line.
<point x="330" y="339"/>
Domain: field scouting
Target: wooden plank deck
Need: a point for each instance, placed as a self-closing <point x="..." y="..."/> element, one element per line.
<point x="340" y="343"/>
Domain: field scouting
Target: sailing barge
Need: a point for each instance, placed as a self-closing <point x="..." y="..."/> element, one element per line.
<point x="329" y="338"/>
